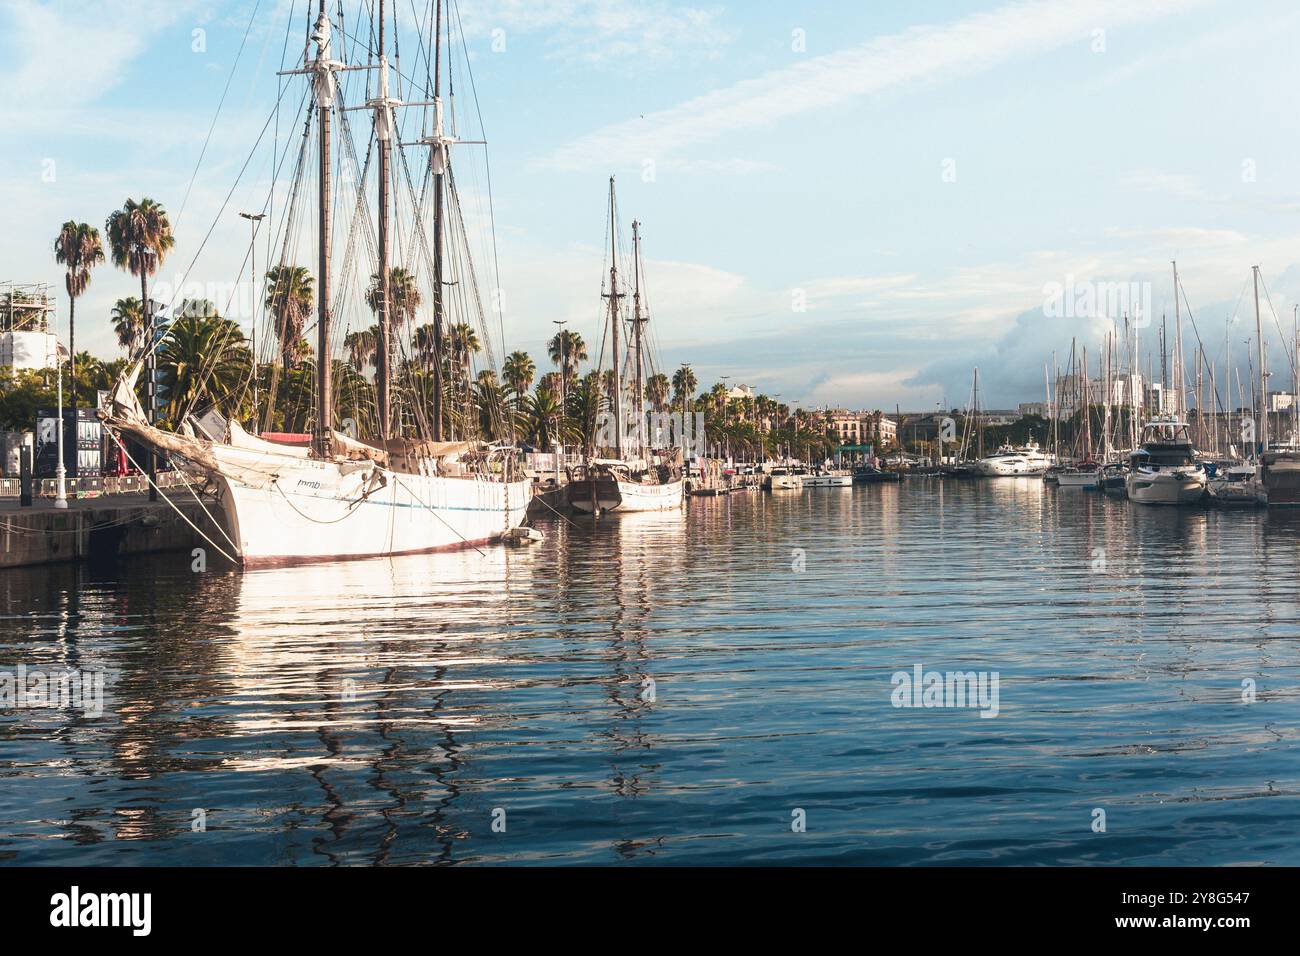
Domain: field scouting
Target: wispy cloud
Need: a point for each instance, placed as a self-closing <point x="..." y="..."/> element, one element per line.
<point x="924" y="53"/>
<point x="604" y="33"/>
<point x="101" y="38"/>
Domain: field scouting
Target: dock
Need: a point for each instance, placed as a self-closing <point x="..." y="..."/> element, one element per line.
<point x="102" y="529"/>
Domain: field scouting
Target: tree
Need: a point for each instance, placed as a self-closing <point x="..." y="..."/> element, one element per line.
<point x="518" y="371"/>
<point x="204" y="361"/>
<point x="568" y="351"/>
<point x="290" y="299"/>
<point x="361" y="347"/>
<point x="128" y="323"/>
<point x="402" y="292"/>
<point x="684" y="384"/>
<point x="656" y="391"/>
<point x="139" y="238"/>
<point x="78" y="249"/>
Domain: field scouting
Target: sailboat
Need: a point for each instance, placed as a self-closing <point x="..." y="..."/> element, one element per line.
<point x="634" y="477"/>
<point x="338" y="497"/>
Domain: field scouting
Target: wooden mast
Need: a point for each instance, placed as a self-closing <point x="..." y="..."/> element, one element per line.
<point x="384" y="347"/>
<point x="617" y="399"/>
<point x="323" y="438"/>
<point x="438" y="159"/>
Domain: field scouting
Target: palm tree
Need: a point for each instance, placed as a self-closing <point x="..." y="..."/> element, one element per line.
<point x="718" y="394"/>
<point x="128" y="323"/>
<point x="204" y="359"/>
<point x="402" y="291"/>
<point x="139" y="238"/>
<point x="463" y="342"/>
<point x="684" y="384"/>
<point x="568" y="351"/>
<point x="77" y="247"/>
<point x="423" y="338"/>
<point x="290" y="298"/>
<point x="361" y="346"/>
<point x="541" y="417"/>
<point x="656" y="391"/>
<point x="551" y="382"/>
<point x="518" y="371"/>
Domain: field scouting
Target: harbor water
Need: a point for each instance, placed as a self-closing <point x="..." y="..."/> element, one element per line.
<point x="721" y="685"/>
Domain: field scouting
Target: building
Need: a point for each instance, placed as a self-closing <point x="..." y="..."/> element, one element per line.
<point x="859" y="427"/>
<point x="994" y="416"/>
<point x="26" y="341"/>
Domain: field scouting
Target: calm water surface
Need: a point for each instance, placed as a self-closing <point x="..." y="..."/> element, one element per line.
<point x="667" y="689"/>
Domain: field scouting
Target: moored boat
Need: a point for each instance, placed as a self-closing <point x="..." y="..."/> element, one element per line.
<point x="1164" y="470"/>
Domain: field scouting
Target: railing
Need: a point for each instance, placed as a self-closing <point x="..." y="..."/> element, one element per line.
<point x="91" y="487"/>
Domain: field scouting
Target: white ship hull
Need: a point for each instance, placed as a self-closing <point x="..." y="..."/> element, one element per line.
<point x="282" y="510"/>
<point x="828" y="481"/>
<point x="784" y="483"/>
<point x="619" y="495"/>
<point x="1165" y="488"/>
<point x="1078" y="479"/>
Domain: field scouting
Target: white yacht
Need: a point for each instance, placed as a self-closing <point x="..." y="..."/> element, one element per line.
<point x="1009" y="461"/>
<point x="783" y="479"/>
<point x="827" y="478"/>
<point x="1163" y="470"/>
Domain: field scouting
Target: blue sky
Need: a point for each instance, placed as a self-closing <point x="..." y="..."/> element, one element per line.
<point x="916" y="174"/>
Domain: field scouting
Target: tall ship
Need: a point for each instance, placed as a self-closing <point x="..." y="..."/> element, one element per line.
<point x="624" y="470"/>
<point x="1163" y="470"/>
<point x="409" y="468"/>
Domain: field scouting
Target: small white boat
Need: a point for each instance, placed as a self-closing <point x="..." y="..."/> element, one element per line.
<point x="828" y="479"/>
<point x="783" y="479"/>
<point x="1087" y="477"/>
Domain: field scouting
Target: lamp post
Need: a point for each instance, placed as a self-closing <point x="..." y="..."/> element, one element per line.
<point x="253" y="220"/>
<point x="60" y="473"/>
<point x="564" y="394"/>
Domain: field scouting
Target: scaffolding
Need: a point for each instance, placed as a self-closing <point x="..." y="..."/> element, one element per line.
<point x="25" y="306"/>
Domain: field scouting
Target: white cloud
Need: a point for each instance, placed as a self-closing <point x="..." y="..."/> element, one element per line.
<point x="100" y="38"/>
<point x="970" y="45"/>
<point x="604" y="33"/>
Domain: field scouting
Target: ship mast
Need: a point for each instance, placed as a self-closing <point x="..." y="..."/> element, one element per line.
<point x="438" y="165"/>
<point x="1262" y="436"/>
<point x="613" y="297"/>
<point x="384" y="134"/>
<point x="323" y="69"/>
<point x="1178" y="383"/>
<point x="638" y="320"/>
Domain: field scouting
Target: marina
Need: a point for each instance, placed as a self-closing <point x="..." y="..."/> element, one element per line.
<point x="613" y="434"/>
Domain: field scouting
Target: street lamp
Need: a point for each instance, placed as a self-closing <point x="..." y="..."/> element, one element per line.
<point x="60" y="487"/>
